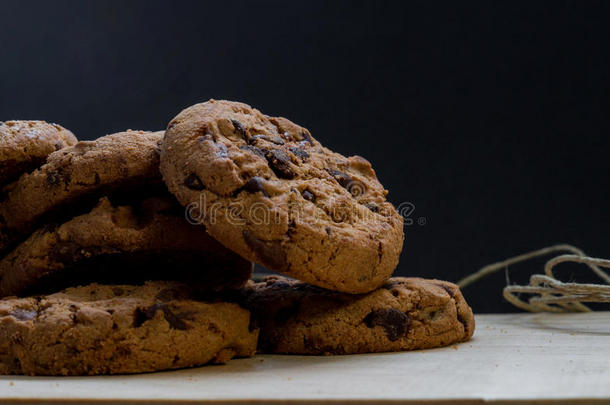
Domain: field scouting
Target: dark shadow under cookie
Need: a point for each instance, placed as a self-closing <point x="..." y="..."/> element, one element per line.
<point x="144" y="240"/>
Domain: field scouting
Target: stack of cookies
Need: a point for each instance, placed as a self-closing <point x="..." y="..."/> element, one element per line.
<point x="133" y="252"/>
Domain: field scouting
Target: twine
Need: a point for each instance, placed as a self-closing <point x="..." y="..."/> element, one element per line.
<point x="549" y="294"/>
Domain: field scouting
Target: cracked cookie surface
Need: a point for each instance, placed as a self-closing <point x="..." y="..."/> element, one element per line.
<point x="142" y="240"/>
<point x="404" y="314"/>
<point x="87" y="169"/>
<point x="112" y="329"/>
<point x="24" y="145"/>
<point x="264" y="187"/>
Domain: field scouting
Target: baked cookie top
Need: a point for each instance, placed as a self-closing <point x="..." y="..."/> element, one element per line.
<point x="267" y="189"/>
<point x="111" y="329"/>
<point x="404" y="314"/>
<point x="120" y="242"/>
<point x="89" y="168"/>
<point x="24" y="145"/>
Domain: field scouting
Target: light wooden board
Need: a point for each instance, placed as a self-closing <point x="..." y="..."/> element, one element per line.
<point x="554" y="358"/>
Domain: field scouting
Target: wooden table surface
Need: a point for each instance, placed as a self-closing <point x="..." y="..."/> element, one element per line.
<point x="512" y="358"/>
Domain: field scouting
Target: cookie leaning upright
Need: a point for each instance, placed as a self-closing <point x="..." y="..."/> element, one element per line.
<point x="24" y="145"/>
<point x="264" y="187"/>
<point x="87" y="169"/>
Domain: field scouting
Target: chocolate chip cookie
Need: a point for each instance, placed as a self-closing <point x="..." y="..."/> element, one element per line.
<point x="264" y="187"/>
<point x="404" y="314"/>
<point x="24" y="145"/>
<point x="144" y="240"/>
<point x="88" y="169"/>
<point x="116" y="329"/>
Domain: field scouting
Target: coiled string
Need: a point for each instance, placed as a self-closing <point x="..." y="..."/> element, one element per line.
<point x="548" y="294"/>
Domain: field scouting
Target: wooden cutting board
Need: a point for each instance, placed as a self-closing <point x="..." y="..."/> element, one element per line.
<point x="512" y="358"/>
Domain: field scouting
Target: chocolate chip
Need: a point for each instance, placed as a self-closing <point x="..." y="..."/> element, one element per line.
<point x="253" y="149"/>
<point x="174" y="321"/>
<point x="73" y="317"/>
<point x="205" y="131"/>
<point x="343" y="179"/>
<point x="23" y="314"/>
<point x="372" y="206"/>
<point x="142" y="315"/>
<point x="194" y="182"/>
<point x="276" y="140"/>
<point x="171" y="124"/>
<point x="117" y="291"/>
<point x="53" y="178"/>
<point x="59" y="145"/>
<point x="67" y="177"/>
<point x="270" y="253"/>
<point x="279" y="162"/>
<point x="448" y="289"/>
<point x="254" y="185"/>
<point x="307" y="137"/>
<point x="308" y="195"/>
<point x="239" y="129"/>
<point x="395" y="322"/>
<point x="254" y="139"/>
<point x="300" y="152"/>
<point x="355" y="187"/>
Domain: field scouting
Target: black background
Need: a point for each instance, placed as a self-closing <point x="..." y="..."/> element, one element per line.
<point x="490" y="117"/>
